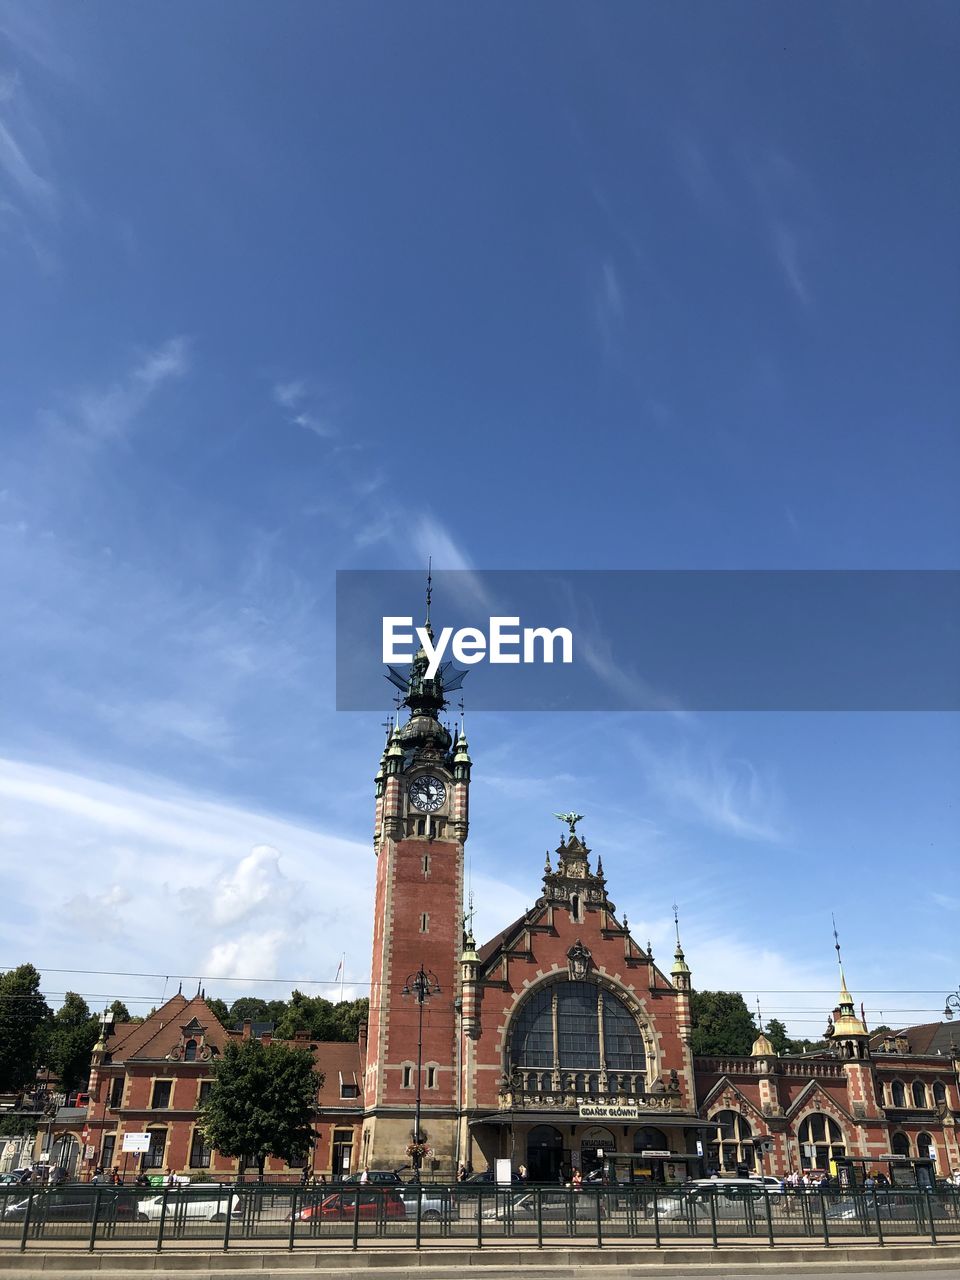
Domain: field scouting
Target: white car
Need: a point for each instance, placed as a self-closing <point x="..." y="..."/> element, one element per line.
<point x="205" y="1203"/>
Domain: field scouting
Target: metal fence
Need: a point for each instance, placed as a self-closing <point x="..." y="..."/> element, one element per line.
<point x="216" y="1217"/>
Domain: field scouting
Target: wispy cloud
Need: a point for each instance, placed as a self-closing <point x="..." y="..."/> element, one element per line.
<point x="728" y="793"/>
<point x="101" y="414"/>
<point x="302" y="403"/>
<point x="790" y="216"/>
<point x="608" y="306"/>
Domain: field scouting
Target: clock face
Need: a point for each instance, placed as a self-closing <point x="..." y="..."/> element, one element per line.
<point x="427" y="793"/>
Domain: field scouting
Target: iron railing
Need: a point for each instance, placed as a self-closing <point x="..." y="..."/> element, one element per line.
<point x="216" y="1216"/>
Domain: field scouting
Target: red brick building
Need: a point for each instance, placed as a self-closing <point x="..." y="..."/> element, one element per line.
<point x="561" y="1042"/>
<point x="562" y="1037"/>
<point x="152" y="1077"/>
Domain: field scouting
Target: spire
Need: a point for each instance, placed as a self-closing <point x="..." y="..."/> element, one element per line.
<point x="429" y="592"/>
<point x="844" y="1021"/>
<point x="680" y="967"/>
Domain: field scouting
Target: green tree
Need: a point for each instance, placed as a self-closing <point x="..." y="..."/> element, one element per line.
<point x="722" y="1023"/>
<point x="71" y="1035"/>
<point x="219" y="1008"/>
<point x="777" y="1035"/>
<point x="248" y="1007"/>
<point x="262" y="1102"/>
<point x="24" y="1015"/>
<point x="119" y="1012"/>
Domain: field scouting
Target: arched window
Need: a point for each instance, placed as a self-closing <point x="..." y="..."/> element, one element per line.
<point x="939" y="1093"/>
<point x="919" y="1092"/>
<point x="900" y="1144"/>
<point x="190" y="1051"/>
<point x="574" y="1028"/>
<point x="821" y="1141"/>
<point x="730" y="1147"/>
<point x="650" y="1139"/>
<point x="898" y="1093"/>
<point x="153" y="1159"/>
<point x="925" y="1148"/>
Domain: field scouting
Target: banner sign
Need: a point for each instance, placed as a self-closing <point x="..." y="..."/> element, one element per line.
<point x="135" y="1142"/>
<point x="600" y="1112"/>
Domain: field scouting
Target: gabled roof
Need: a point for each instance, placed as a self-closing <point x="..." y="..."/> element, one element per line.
<point x="160" y="1033"/>
<point x="500" y="940"/>
<point x="928" y="1038"/>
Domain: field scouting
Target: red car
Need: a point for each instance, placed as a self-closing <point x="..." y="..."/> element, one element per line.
<point x="341" y="1206"/>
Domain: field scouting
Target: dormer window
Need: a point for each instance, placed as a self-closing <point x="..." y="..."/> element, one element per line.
<point x="190" y="1051"/>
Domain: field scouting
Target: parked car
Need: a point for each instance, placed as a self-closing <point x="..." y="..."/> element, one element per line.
<point x="732" y="1198"/>
<point x="342" y="1206"/>
<point x="433" y="1203"/>
<point x="196" y="1201"/>
<point x="488" y="1177"/>
<point x="15" y="1179"/>
<point x="374" y="1178"/>
<point x="76" y="1204"/>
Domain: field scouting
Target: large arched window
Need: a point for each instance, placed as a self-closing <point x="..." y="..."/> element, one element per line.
<point x="900" y="1144"/>
<point x="939" y="1093"/>
<point x="730" y="1147"/>
<point x="919" y="1091"/>
<point x="574" y="1029"/>
<point x="821" y="1140"/>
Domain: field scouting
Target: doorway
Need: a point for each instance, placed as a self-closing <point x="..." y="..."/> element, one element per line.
<point x="544" y="1153"/>
<point x="594" y="1142"/>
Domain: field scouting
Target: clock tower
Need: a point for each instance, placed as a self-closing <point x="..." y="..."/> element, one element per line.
<point x="420" y="830"/>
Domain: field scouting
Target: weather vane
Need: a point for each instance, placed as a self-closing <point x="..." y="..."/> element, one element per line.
<point x="571" y="819"/>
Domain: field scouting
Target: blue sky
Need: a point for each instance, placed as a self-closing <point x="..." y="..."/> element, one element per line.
<point x="291" y="288"/>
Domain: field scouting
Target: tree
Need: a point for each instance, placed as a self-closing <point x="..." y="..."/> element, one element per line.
<point x="777" y="1035"/>
<point x="262" y="1102"/>
<point x="119" y="1012"/>
<point x="219" y="1009"/>
<point x="23" y="1017"/>
<point x="70" y="1039"/>
<point x="722" y="1023"/>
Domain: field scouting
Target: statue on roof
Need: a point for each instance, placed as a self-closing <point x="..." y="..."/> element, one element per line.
<point x="571" y="819"/>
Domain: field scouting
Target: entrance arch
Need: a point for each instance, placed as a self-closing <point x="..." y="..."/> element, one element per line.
<point x="593" y="1141"/>
<point x="544" y="1153"/>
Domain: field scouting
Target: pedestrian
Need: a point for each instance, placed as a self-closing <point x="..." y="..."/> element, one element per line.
<point x="304" y="1176"/>
<point x="577" y="1180"/>
<point x="115" y="1176"/>
<point x="522" y="1170"/>
<point x="461" y="1172"/>
<point x="365" y="1176"/>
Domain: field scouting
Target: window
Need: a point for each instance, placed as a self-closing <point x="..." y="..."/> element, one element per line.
<point x="919" y="1092"/>
<point x="730" y="1147"/>
<point x="900" y="1144"/>
<point x="426" y="864"/>
<point x="939" y="1093"/>
<point x="925" y="1149"/>
<point x="421" y="826"/>
<point x="161" y="1093"/>
<point x="206" y="1087"/>
<point x="199" y="1151"/>
<point x="431" y="1077"/>
<point x="116" y="1092"/>
<point x="190" y="1051"/>
<point x="425" y="923"/>
<point x="406" y="1076"/>
<point x="821" y="1141"/>
<point x="570" y="1025"/>
<point x="106" y="1151"/>
<point x="349" y="1088"/>
<point x="153" y="1159"/>
<point x="898" y="1094"/>
<point x="575" y="914"/>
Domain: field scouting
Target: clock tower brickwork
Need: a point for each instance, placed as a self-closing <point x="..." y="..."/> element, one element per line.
<point x="422" y="807"/>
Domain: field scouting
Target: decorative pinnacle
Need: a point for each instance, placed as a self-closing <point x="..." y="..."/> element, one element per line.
<point x="429" y="586"/>
<point x="676" y="923"/>
<point x="546" y="864"/>
<point x="759" y="1016"/>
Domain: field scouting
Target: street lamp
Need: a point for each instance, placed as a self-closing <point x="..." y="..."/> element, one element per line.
<point x="421" y="986"/>
<point x="952" y="1002"/>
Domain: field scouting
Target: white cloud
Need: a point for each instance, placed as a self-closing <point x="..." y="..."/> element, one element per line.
<point x="727" y="793"/>
<point x="194" y="885"/>
<point x="102" y="414"/>
<point x="289" y="394"/>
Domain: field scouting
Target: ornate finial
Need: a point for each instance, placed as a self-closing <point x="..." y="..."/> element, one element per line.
<point x="429" y="586"/>
<point x="676" y="923"/>
<point x="547" y="869"/>
<point x="468" y="918"/>
<point x="599" y="867"/>
<point x="649" y="948"/>
<point x="571" y="819"/>
<point x="759" y="1016"/>
<point x="626" y="923"/>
